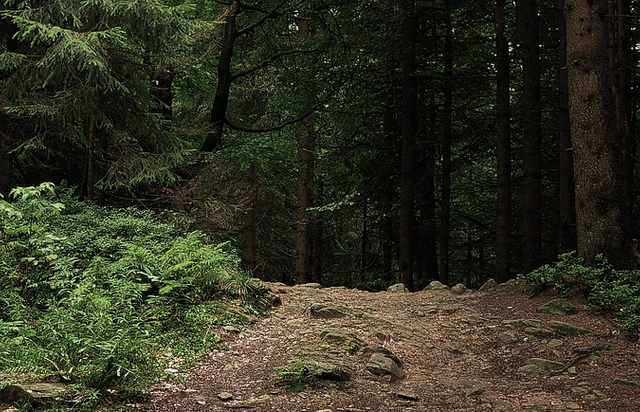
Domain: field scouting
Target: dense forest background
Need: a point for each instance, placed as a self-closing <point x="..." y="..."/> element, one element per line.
<point x="345" y="142"/>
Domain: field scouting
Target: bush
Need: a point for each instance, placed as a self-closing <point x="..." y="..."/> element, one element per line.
<point x="615" y="290"/>
<point x="106" y="298"/>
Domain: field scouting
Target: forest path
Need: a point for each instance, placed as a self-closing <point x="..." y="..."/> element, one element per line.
<point x="457" y="354"/>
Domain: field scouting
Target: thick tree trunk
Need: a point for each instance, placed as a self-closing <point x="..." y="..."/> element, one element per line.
<point x="567" y="240"/>
<point x="445" y="213"/>
<point x="527" y="25"/>
<point x="409" y="126"/>
<point x="602" y="219"/>
<point x="225" y="78"/>
<point x="503" y="222"/>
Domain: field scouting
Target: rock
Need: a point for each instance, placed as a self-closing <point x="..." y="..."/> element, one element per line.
<point x="489" y="284"/>
<point x="558" y="307"/>
<point x="398" y="288"/>
<point x="435" y="285"/>
<point x="310" y="285"/>
<point x="34" y="393"/>
<point x="225" y="396"/>
<point x="459" y="289"/>
<point x="332" y="370"/>
<point x="324" y="311"/>
<point x="508" y="338"/>
<point x="539" y="365"/>
<point x="347" y="341"/>
<point x="619" y="381"/>
<point x="381" y="365"/>
<point x="565" y="328"/>
<point x="555" y="343"/>
<point x="521" y="324"/>
<point x="408" y="396"/>
<point x="384" y="351"/>
<point x="231" y="329"/>
<point x="538" y="332"/>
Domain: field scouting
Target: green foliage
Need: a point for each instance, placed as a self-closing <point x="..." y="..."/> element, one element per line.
<point x="607" y="288"/>
<point x="295" y="376"/>
<point x="106" y="298"/>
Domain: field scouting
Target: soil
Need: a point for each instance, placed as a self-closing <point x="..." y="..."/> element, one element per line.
<point x="456" y="352"/>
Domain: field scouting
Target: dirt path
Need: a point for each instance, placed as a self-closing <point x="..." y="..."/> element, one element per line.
<point x="457" y="355"/>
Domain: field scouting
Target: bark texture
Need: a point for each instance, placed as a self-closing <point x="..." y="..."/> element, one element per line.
<point x="601" y="214"/>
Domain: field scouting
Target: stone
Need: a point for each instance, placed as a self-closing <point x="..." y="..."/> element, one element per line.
<point x="555" y="343"/>
<point x="324" y="311"/>
<point x="558" y="307"/>
<point x="380" y="365"/>
<point x="34" y="393"/>
<point x="435" y="285"/>
<point x="459" y="289"/>
<point x="225" y="396"/>
<point x="345" y="340"/>
<point x="386" y="352"/>
<point x="619" y="381"/>
<point x="231" y="329"/>
<point x="538" y="332"/>
<point x="565" y="328"/>
<point x="332" y="370"/>
<point x="489" y="284"/>
<point x="539" y="366"/>
<point x="410" y="396"/>
<point x="521" y="324"/>
<point x="310" y="285"/>
<point x="508" y="338"/>
<point x="398" y="288"/>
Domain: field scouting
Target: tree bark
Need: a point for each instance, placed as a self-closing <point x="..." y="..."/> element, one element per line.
<point x="527" y="26"/>
<point x="409" y="129"/>
<point x="225" y="79"/>
<point x="503" y="222"/>
<point x="567" y="240"/>
<point x="250" y="258"/>
<point x="306" y="147"/>
<point x="445" y="213"/>
<point x="602" y="218"/>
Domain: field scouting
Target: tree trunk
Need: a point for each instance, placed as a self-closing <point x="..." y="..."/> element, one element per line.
<point x="5" y="158"/>
<point x="306" y="147"/>
<point x="620" y="61"/>
<point x="567" y="240"/>
<point x="250" y="258"/>
<point x="503" y="222"/>
<point x="225" y="78"/>
<point x="304" y="202"/>
<point x="409" y="126"/>
<point x="527" y="25"/>
<point x="602" y="219"/>
<point x="445" y="217"/>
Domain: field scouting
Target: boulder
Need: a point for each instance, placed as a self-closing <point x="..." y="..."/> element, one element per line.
<point x="435" y="285"/>
<point x="33" y="393"/>
<point x="489" y="284"/>
<point x="459" y="289"/>
<point x="381" y="365"/>
<point x="321" y="310"/>
<point x="565" y="328"/>
<point x="398" y="288"/>
<point x="558" y="307"/>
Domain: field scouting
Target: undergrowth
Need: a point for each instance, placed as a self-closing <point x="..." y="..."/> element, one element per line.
<point x="108" y="299"/>
<point x="614" y="290"/>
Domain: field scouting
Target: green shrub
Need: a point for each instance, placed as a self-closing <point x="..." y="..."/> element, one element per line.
<point x="615" y="290"/>
<point x="106" y="298"/>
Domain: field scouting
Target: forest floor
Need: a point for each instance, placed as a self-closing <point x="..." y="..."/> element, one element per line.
<point x="457" y="354"/>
